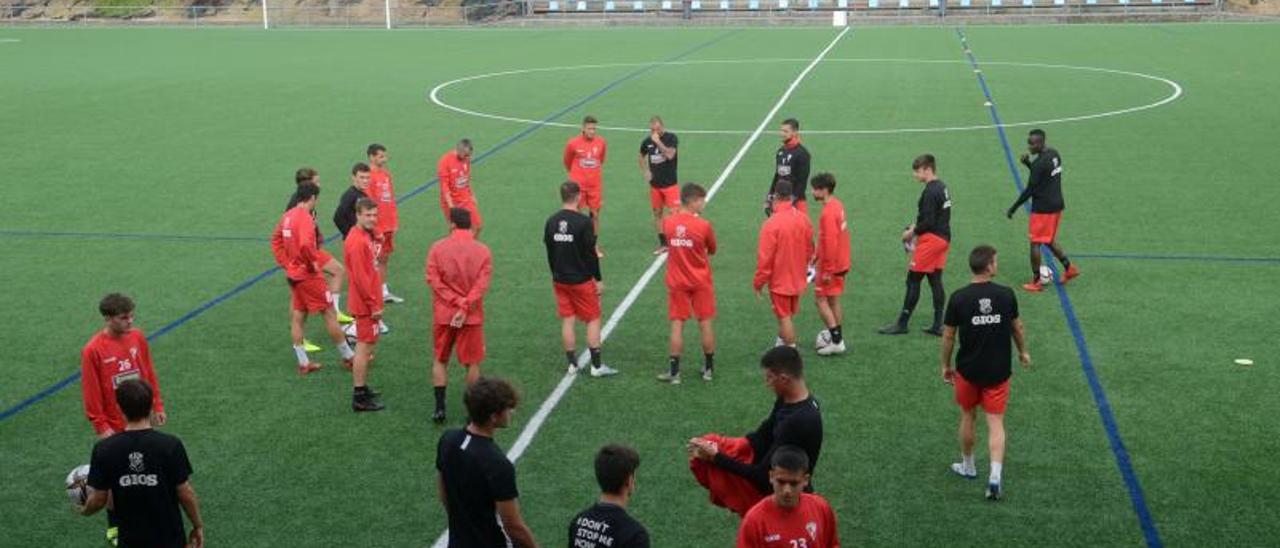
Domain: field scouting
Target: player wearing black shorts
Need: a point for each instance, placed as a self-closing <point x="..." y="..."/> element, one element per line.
<point x="791" y="163"/>
<point x="606" y="523"/>
<point x="658" y="166"/>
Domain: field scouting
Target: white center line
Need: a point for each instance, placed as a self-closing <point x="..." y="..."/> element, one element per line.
<point x="548" y="405"/>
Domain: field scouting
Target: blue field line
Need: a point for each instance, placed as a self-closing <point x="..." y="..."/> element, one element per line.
<point x="1188" y="258"/>
<point x="128" y="236"/>
<point x="1105" y="413"/>
<point x="409" y="195"/>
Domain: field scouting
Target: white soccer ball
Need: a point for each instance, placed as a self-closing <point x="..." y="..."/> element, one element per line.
<point x="823" y="340"/>
<point x="1046" y="275"/>
<point x="78" y="485"/>
<point x="349" y="331"/>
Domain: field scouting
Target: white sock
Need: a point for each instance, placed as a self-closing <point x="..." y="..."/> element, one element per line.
<point x="345" y="350"/>
<point x="968" y="465"/>
<point x="337" y="302"/>
<point x="995" y="472"/>
<point x="385" y="290"/>
<point x="301" y="352"/>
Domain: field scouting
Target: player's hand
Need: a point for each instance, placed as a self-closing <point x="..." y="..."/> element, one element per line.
<point x="1025" y="359"/>
<point x="1025" y="159"/>
<point x="159" y="418"/>
<point x="647" y="176"/>
<point x="1009" y="214"/>
<point x="759" y="293"/>
<point x="948" y="375"/>
<point x="599" y="287"/>
<point x="376" y="315"/>
<point x="458" y="319"/>
<point x="196" y="538"/>
<point x="909" y="233"/>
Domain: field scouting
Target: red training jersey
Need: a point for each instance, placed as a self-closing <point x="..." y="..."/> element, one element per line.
<point x="458" y="272"/>
<point x="584" y="159"/>
<point x="833" y="239"/>
<point x="690" y="240"/>
<point x="786" y="245"/>
<point x="294" y="244"/>
<point x="364" y="283"/>
<point x="811" y="524"/>
<point x="107" y="361"/>
<point x="454" y="174"/>
<point x="383" y="193"/>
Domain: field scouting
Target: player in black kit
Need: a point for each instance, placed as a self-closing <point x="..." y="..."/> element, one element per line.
<point x="1044" y="189"/>
<point x="791" y="163"/>
<point x="659" y="167"/>
<point x="928" y="240"/>
<point x="606" y="523"/>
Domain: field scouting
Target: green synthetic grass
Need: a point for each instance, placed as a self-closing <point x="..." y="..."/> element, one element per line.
<point x="177" y="132"/>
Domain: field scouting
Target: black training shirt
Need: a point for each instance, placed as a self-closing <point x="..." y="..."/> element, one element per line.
<point x="983" y="315"/>
<point x="345" y="216"/>
<point x="571" y="248"/>
<point x="798" y="424"/>
<point x="792" y="164"/>
<point x="662" y="168"/>
<point x="143" y="469"/>
<point x="934" y="210"/>
<point x="476" y="475"/>
<point x="1044" y="185"/>
<point x="606" y="525"/>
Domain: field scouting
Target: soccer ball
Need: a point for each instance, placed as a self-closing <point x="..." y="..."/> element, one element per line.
<point x="824" y="339"/>
<point x="78" y="485"/>
<point x="1046" y="275"/>
<point x="349" y="331"/>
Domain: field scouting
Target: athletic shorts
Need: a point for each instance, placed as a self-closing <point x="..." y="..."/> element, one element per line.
<point x="833" y="287"/>
<point x="1044" y="227"/>
<point x="476" y="220"/>
<point x="366" y="330"/>
<point x="310" y="295"/>
<point x="784" y="306"/>
<point x="684" y="303"/>
<point x="388" y="245"/>
<point x="992" y="398"/>
<point x="578" y="300"/>
<point x="323" y="257"/>
<point x="592" y="195"/>
<point x="468" y="340"/>
<point x="668" y="197"/>
<point x="930" y="254"/>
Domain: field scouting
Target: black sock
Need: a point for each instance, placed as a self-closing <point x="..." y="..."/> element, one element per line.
<point x="440" y="398"/>
<point x="674" y="364"/>
<point x="837" y="335"/>
<point x="939" y="297"/>
<point x="568" y="355"/>
<point x="595" y="357"/>
<point x="662" y="240"/>
<point x="360" y="392"/>
<point x="1066" y="263"/>
<point x="111" y="519"/>
<point x="709" y="361"/>
<point x="911" y="298"/>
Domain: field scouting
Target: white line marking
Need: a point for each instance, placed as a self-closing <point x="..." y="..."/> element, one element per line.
<point x="548" y="405"/>
<point x="1174" y="95"/>
<point x="10" y="40"/>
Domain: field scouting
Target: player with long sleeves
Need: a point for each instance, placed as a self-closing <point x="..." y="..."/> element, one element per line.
<point x="333" y="270"/>
<point x="929" y="239"/>
<point x="782" y="260"/>
<point x="790" y="163"/>
<point x="364" y="297"/>
<point x="831" y="263"/>
<point x="458" y="271"/>
<point x="1044" y="189"/>
<point x="584" y="157"/>
<point x="297" y="253"/>
<point x="383" y="193"/>
<point x="690" y="289"/>
<point x="344" y="216"/>
<point x="453" y="170"/>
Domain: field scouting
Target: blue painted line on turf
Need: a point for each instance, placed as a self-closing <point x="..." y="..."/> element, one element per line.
<point x="1187" y="258"/>
<point x="409" y="195"/>
<point x="128" y="236"/>
<point x="1105" y="413"/>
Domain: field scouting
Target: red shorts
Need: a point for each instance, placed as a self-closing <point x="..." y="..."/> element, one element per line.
<point x="592" y="195"/>
<point x="727" y="490"/>
<point x="992" y="398"/>
<point x="366" y="330"/>
<point x="310" y="295"/>
<point x="468" y="340"/>
<point x="833" y="287"/>
<point x="388" y="245"/>
<point x="683" y="303"/>
<point x="784" y="306"/>
<point x="668" y="197"/>
<point x="1044" y="227"/>
<point x="476" y="220"/>
<point x="323" y="257"/>
<point x="930" y="254"/>
<point x="580" y="300"/>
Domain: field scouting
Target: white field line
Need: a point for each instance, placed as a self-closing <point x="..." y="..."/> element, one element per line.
<point x="548" y="405"/>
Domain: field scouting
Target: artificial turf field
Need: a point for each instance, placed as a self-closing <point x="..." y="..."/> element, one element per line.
<point x="156" y="162"/>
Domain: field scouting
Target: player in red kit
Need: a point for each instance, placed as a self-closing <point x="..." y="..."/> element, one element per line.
<point x="296" y="251"/>
<point x="584" y="157"/>
<point x="332" y="268"/>
<point x="117" y="353"/>
<point x="454" y="173"/>
<point x="690" y="290"/>
<point x="458" y="272"/>
<point x="383" y="193"/>
<point x="364" y="297"/>
<point x="782" y="260"/>
<point x="790" y="517"/>
<point x="831" y="263"/>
